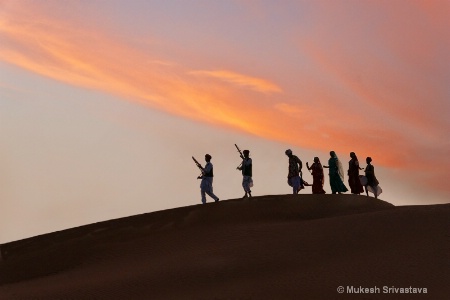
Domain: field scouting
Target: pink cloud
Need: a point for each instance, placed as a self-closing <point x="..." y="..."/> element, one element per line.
<point x="388" y="61"/>
<point x="365" y="97"/>
<point x="257" y="84"/>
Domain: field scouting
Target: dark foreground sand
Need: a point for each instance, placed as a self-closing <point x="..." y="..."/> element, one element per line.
<point x="271" y="247"/>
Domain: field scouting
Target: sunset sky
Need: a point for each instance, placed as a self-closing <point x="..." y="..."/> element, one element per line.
<point x="103" y="103"/>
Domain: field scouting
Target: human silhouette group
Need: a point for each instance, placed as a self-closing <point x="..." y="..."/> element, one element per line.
<point x="357" y="183"/>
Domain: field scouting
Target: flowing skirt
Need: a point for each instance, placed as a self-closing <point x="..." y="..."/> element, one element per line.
<point x="355" y="184"/>
<point x="317" y="187"/>
<point x="336" y="184"/>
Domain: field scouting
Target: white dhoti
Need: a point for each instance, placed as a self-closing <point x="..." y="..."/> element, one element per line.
<point x="297" y="184"/>
<point x="247" y="183"/>
<point x="376" y="190"/>
<point x="206" y="187"/>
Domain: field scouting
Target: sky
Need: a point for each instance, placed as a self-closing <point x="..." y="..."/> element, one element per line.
<point x="103" y="103"/>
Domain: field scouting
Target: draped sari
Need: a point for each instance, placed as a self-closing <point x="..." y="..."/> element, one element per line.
<point x="336" y="175"/>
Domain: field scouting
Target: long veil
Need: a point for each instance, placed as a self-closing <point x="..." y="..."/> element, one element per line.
<point x="340" y="169"/>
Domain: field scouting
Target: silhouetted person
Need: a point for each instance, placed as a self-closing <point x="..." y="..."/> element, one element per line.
<point x="372" y="181"/>
<point x="246" y="168"/>
<point x="336" y="174"/>
<point x="206" y="186"/>
<point x="353" y="175"/>
<point x="295" y="172"/>
<point x="318" y="178"/>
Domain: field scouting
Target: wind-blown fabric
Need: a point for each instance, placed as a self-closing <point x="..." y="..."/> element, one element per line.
<point x="376" y="191"/>
<point x="340" y="169"/>
<point x="372" y="181"/>
<point x="294" y="174"/>
<point x="247" y="183"/>
<point x="296" y="184"/>
<point x="336" y="175"/>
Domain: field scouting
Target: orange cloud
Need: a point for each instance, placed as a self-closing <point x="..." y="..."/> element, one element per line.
<point x="389" y="80"/>
<point x="289" y="109"/>
<point x="91" y="60"/>
<point x="326" y="121"/>
<point x="257" y="84"/>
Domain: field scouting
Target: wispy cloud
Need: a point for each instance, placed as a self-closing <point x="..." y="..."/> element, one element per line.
<point x="93" y="60"/>
<point x="162" y="63"/>
<point x="358" y="102"/>
<point x="388" y="78"/>
<point x="256" y="84"/>
<point x="289" y="109"/>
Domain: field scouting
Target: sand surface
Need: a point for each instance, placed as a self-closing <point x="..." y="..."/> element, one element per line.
<point x="269" y="247"/>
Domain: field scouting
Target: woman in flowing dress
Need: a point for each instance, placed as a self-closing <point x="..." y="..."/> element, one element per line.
<point x="336" y="174"/>
<point x="353" y="175"/>
<point x="372" y="181"/>
<point x="318" y="178"/>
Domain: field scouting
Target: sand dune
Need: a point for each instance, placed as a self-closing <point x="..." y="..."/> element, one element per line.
<point x="269" y="247"/>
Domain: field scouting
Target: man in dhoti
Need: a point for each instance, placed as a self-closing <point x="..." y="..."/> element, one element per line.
<point x="206" y="186"/>
<point x="246" y="168"/>
<point x="295" y="171"/>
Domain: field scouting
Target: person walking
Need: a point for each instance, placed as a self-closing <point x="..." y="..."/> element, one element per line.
<point x="353" y="175"/>
<point x="372" y="181"/>
<point x="206" y="186"/>
<point x="295" y="172"/>
<point x="336" y="174"/>
<point x="246" y="168"/>
<point x="318" y="178"/>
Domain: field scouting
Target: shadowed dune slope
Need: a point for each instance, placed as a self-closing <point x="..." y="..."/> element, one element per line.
<point x="269" y="247"/>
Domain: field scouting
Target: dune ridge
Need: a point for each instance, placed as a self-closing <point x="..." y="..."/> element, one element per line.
<point x="268" y="247"/>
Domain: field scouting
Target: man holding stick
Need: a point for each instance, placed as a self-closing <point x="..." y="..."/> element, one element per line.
<point x="207" y="175"/>
<point x="246" y="168"/>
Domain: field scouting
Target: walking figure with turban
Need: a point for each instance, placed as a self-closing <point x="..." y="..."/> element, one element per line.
<point x="295" y="172"/>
